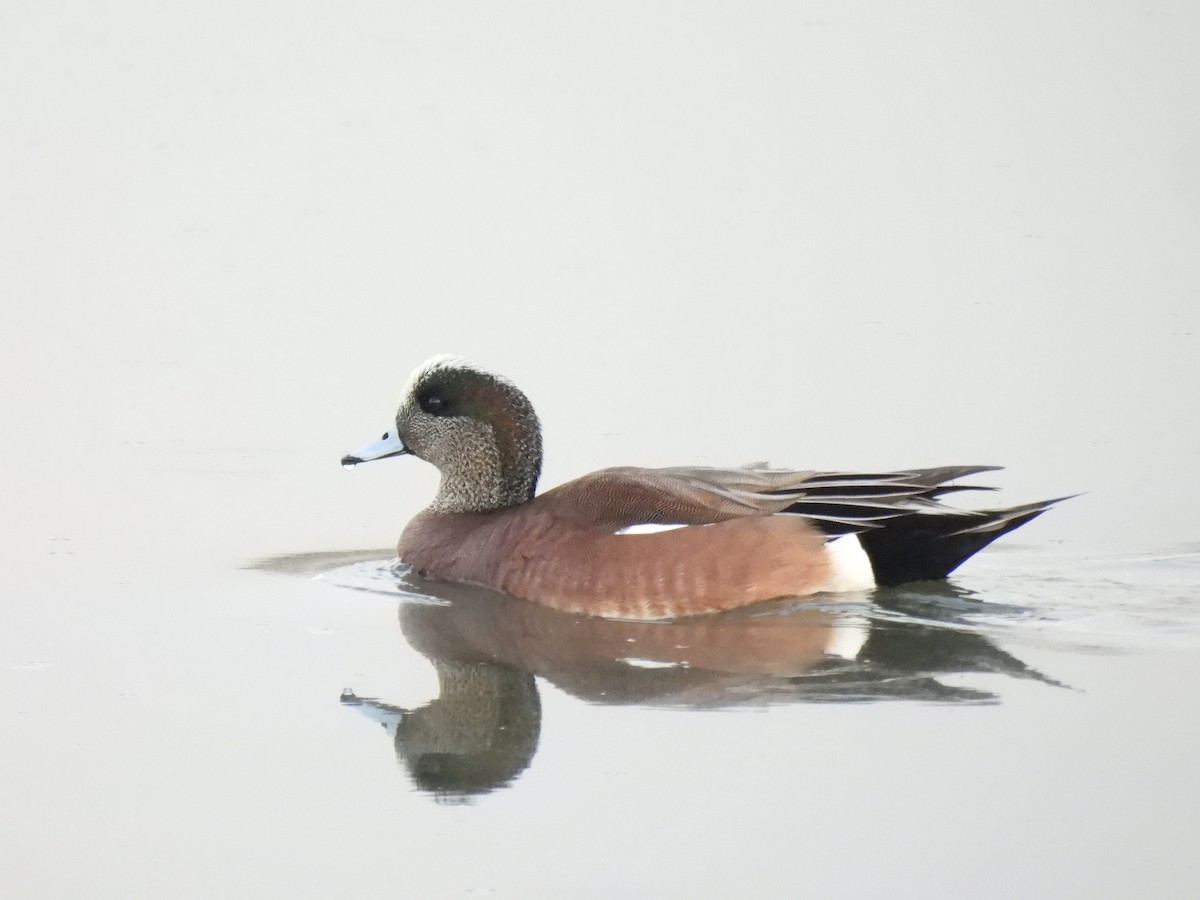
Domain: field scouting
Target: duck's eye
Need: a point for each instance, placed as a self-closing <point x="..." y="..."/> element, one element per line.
<point x="433" y="404"/>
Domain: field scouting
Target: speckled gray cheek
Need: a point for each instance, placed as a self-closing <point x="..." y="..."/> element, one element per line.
<point x="469" y="461"/>
<point x="464" y="452"/>
<point x="409" y="427"/>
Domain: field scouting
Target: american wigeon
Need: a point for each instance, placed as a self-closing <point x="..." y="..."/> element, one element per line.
<point x="743" y="535"/>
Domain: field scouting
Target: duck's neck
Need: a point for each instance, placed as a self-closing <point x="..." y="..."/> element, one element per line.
<point x="498" y="467"/>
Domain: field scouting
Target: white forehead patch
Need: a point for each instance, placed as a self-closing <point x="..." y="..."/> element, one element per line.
<point x="447" y="361"/>
<point x="441" y="361"/>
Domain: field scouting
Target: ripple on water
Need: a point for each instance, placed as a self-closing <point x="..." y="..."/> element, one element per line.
<point x="1111" y="601"/>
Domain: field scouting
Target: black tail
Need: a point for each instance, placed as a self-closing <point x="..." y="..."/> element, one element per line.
<point x="927" y="547"/>
<point x="904" y="529"/>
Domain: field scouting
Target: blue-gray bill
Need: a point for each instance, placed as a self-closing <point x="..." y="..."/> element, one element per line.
<point x="387" y="445"/>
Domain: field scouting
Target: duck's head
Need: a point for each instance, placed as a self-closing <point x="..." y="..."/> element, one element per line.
<point x="477" y="428"/>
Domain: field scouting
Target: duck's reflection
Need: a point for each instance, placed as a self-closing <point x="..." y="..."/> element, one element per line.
<point x="482" y="730"/>
<point x="478" y="734"/>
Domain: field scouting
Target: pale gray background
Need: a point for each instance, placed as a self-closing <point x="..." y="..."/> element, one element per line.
<point x="879" y="235"/>
<point x="824" y="234"/>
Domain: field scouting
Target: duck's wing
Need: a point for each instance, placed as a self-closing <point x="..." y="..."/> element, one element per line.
<point x="614" y="499"/>
<point x="617" y="498"/>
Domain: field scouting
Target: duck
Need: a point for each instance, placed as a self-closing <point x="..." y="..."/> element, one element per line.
<point x="659" y="543"/>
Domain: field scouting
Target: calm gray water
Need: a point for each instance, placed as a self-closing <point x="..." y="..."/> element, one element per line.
<point x="931" y="642"/>
<point x="872" y="237"/>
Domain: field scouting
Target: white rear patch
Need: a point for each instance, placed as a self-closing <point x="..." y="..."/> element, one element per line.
<point x="849" y="635"/>
<point x="849" y="567"/>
